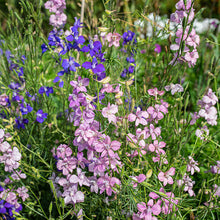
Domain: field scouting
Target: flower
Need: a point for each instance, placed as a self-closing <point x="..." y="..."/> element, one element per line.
<point x="113" y="39"/>
<point x="41" y="116"/>
<point x="139" y="118"/>
<point x="47" y="90"/>
<point x="157" y="48"/>
<point x="70" y="64"/>
<point x="109" y="112"/>
<point x="154" y="92"/>
<point x="174" y="88"/>
<point x="94" y="66"/>
<point x="166" y="177"/>
<point x="129" y="36"/>
<point x="191" y="166"/>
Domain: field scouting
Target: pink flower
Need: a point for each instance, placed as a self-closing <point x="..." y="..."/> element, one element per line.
<point x="58" y="20"/>
<point x="139" y="118"/>
<point x="3" y="99"/>
<point x="107" y="88"/>
<point x="155" y="92"/>
<point x="106" y="147"/>
<point x="191" y="166"/>
<point x="107" y="183"/>
<point x="22" y="192"/>
<point x="139" y="179"/>
<point x="174" y="88"/>
<point x="157" y="48"/>
<point x="157" y="147"/>
<point x="166" y="177"/>
<point x="80" y="178"/>
<point x="109" y="112"/>
<point x="113" y="39"/>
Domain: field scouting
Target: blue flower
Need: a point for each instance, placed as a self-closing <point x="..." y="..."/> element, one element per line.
<point x="44" y="48"/>
<point x="2" y="207"/>
<point x="129" y="37"/>
<point x="124" y="73"/>
<point x="47" y="90"/>
<point x="14" y="86"/>
<point x="94" y="66"/>
<point x="69" y="65"/>
<point x="25" y="110"/>
<point x="77" y="25"/>
<point x="20" y="122"/>
<point x="53" y="38"/>
<point x="93" y="48"/>
<point x="41" y="116"/>
<point x="75" y="37"/>
<point x="130" y="59"/>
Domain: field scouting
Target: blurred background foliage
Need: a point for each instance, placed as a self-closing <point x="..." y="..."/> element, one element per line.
<point x="126" y="10"/>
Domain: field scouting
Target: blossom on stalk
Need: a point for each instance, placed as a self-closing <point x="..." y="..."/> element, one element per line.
<point x="192" y="166"/>
<point x="139" y="118"/>
<point x="157" y="48"/>
<point x="166" y="177"/>
<point x="41" y="116"/>
<point x="174" y="88"/>
<point x="45" y="89"/>
<point x="187" y="183"/>
<point x="107" y="184"/>
<point x="70" y="65"/>
<point x="113" y="39"/>
<point x="109" y="112"/>
<point x="94" y="66"/>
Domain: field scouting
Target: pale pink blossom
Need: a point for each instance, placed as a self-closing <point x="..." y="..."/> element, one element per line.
<point x="109" y="112"/>
<point x="113" y="39"/>
<point x="166" y="177"/>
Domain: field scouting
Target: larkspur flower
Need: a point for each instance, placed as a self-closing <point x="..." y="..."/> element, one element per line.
<point x="94" y="66"/>
<point x="41" y="116"/>
<point x="113" y="39"/>
<point x="109" y="112"/>
<point x="174" y="88"/>
<point x="192" y="166"/>
<point x="166" y="177"/>
<point x="157" y="48"/>
<point x="46" y="89"/>
<point x="70" y="65"/>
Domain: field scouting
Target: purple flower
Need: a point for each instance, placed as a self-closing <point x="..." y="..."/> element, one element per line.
<point x="41" y="116"/>
<point x="2" y="207"/>
<point x="47" y="90"/>
<point x="75" y="37"/>
<point x="157" y="48"/>
<point x="20" y="122"/>
<point x="191" y="166"/>
<point x="93" y="48"/>
<point x="81" y="179"/>
<point x="25" y="110"/>
<point x="129" y="37"/>
<point x="174" y="88"/>
<point x="94" y="66"/>
<point x="166" y="177"/>
<point x="44" y="48"/>
<point x="106" y="183"/>
<point x="70" y="64"/>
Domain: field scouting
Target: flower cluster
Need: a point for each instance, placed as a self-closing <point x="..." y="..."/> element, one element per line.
<point x="186" y="181"/>
<point x="174" y="88"/>
<point x="163" y="204"/>
<point x="129" y="38"/>
<point x="186" y="38"/>
<point x="113" y="39"/>
<point x="207" y="111"/>
<point x="9" y="195"/>
<point x="56" y="6"/>
<point x="101" y="151"/>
